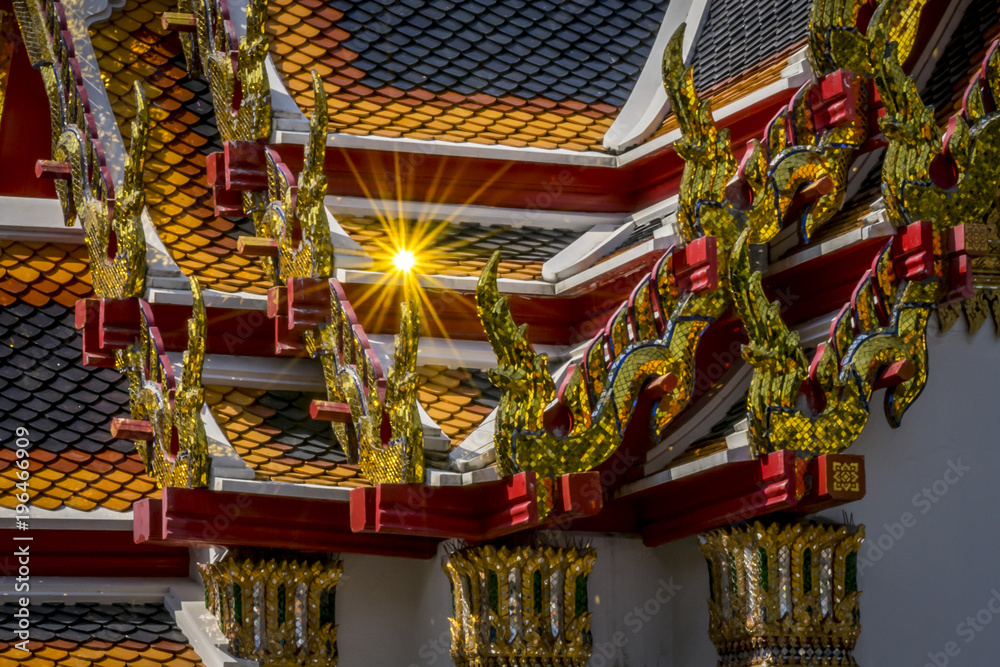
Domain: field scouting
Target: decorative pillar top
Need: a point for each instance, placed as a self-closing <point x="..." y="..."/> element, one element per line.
<point x="784" y="594"/>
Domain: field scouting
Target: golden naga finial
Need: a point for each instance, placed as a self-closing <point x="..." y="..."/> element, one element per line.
<point x="709" y="164"/>
<point x="236" y="71"/>
<point x="112" y="225"/>
<point x="354" y="376"/>
<point x="114" y="235"/>
<point x="295" y="216"/>
<point x="177" y="455"/>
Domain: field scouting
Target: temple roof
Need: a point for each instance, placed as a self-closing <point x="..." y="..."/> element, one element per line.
<point x="455" y="248"/>
<point x="735" y="35"/>
<point x="103" y="635"/>
<point x="44" y="387"/>
<point x="273" y="433"/>
<point x="516" y="73"/>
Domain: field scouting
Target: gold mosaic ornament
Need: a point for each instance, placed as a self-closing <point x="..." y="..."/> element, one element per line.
<point x="520" y="605"/>
<point x="279" y="610"/>
<point x="235" y="68"/>
<point x="111" y="220"/>
<point x="7" y="45"/>
<point x="294" y="216"/>
<point x="784" y="593"/>
<point x="886" y="321"/>
<point x="353" y="376"/>
<point x="178" y="453"/>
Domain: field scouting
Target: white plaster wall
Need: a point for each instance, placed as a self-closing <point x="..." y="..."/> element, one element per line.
<point x="936" y="572"/>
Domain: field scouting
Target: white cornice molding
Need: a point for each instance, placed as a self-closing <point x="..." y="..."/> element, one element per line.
<point x="648" y="104"/>
<point x="484" y="215"/>
<point x="67" y="518"/>
<point x="297" y="133"/>
<point x="31" y="219"/>
<point x="796" y="72"/>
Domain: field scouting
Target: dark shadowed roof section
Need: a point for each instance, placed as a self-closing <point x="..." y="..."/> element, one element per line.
<point x="590" y="51"/>
<point x="737" y="34"/>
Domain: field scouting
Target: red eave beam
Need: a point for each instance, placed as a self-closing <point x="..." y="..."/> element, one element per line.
<point x="93" y="553"/>
<point x="475" y="513"/>
<point x="202" y="517"/>
<point x="732" y="493"/>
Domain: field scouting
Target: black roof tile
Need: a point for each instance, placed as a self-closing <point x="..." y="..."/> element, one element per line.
<point x="504" y="32"/>
<point x="737" y="34"/>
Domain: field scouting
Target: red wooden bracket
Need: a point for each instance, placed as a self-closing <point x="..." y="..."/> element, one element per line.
<point x="696" y="268"/>
<point x="834" y="100"/>
<point x="108" y="325"/>
<point x="913" y="251"/>
<point x="252" y="246"/>
<point x="131" y="429"/>
<point x="179" y="21"/>
<point x="308" y="302"/>
<point x="224" y="201"/>
<point x="245" y="166"/>
<point x="202" y="517"/>
<point x="831" y="480"/>
<point x="329" y="411"/>
<point x="240" y="167"/>
<point x="895" y="373"/>
<point x="962" y="243"/>
<point x="578" y="494"/>
<point x="477" y="512"/>
<point x="53" y="169"/>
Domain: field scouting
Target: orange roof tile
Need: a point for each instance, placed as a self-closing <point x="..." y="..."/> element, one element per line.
<point x="457" y="399"/>
<point x="273" y="433"/>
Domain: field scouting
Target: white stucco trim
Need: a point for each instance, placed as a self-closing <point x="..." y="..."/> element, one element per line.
<point x="796" y="73"/>
<point x="484" y="215"/>
<point x="32" y="219"/>
<point x="95" y="589"/>
<point x="67" y="518"/>
<point x="648" y="104"/>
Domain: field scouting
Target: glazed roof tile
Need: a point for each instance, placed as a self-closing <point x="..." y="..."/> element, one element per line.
<point x="457" y="399"/>
<point x="133" y="45"/>
<point x="460" y="248"/>
<point x="44" y="387"/>
<point x="963" y="55"/>
<point x="43" y="273"/>
<point x="102" y="635"/>
<point x="274" y="434"/>
<point x="540" y="74"/>
<point x="737" y="34"/>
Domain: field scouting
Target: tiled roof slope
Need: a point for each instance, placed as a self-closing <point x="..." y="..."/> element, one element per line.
<point x="133" y="45"/>
<point x="735" y="35"/>
<point x="101" y="635"/>
<point x="963" y="55"/>
<point x="513" y="72"/>
<point x="274" y="434"/>
<point x="44" y="387"/>
<point x="461" y="248"/>
<point x="457" y="399"/>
